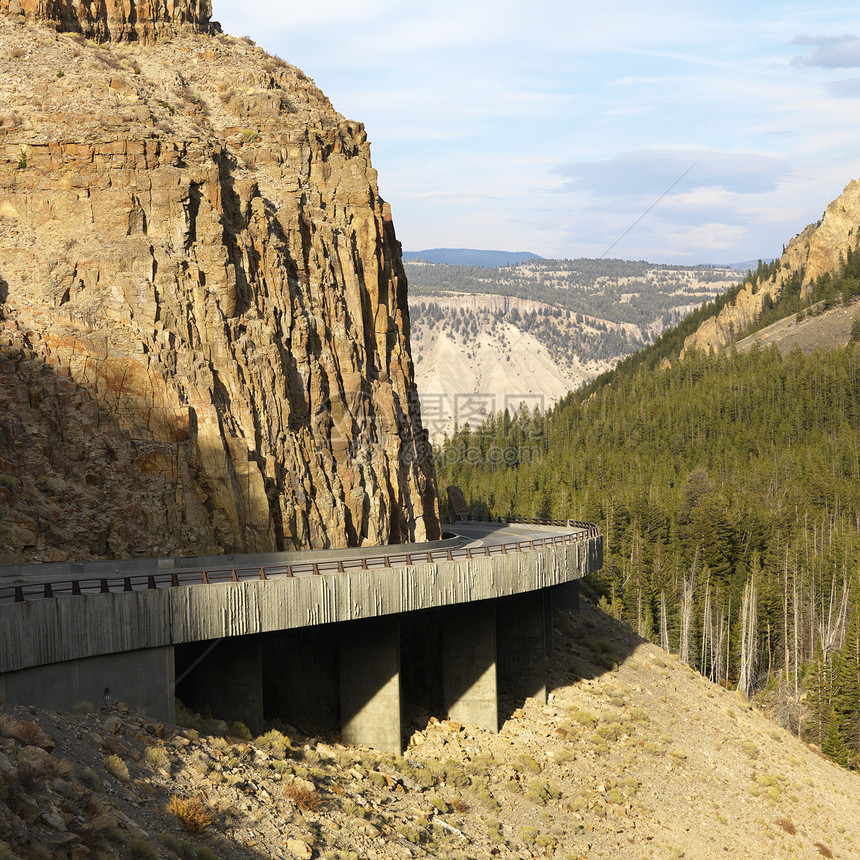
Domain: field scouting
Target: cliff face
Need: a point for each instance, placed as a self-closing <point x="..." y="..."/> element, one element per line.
<point x="108" y="20"/>
<point x="813" y="252"/>
<point x="204" y="335"/>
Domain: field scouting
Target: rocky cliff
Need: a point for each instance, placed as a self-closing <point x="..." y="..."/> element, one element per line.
<point x="813" y="252"/>
<point x="204" y="334"/>
<point x="107" y="20"/>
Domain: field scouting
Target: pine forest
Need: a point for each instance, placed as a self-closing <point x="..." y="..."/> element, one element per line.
<point x="727" y="487"/>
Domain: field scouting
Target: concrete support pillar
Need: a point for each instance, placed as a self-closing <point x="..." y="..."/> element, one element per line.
<point x="566" y="595"/>
<point x="227" y="682"/>
<point x="521" y="624"/>
<point x="469" y="664"/>
<point x="300" y="678"/>
<point x="370" y="684"/>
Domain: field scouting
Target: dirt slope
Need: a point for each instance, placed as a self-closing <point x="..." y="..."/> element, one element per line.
<point x="830" y="329"/>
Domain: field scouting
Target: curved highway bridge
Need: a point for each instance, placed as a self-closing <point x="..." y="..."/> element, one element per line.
<point x="346" y="639"/>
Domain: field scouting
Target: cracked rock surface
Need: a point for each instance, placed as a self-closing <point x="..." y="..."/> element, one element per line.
<point x="204" y="332"/>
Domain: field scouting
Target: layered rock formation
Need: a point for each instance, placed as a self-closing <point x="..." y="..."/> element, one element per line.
<point x="812" y="253"/>
<point x="204" y="335"/>
<point x="109" y="20"/>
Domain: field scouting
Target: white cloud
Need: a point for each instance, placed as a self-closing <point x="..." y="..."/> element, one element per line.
<point x="478" y="113"/>
<point x="829" y="52"/>
<point x="657" y="171"/>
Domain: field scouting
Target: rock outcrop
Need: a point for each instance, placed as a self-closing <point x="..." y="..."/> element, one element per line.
<point x="109" y="20"/>
<point x="204" y="333"/>
<point x="813" y="252"/>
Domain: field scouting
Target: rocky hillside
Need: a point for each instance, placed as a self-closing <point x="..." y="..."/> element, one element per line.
<point x="820" y="250"/>
<point x="635" y="756"/>
<point x="204" y="333"/>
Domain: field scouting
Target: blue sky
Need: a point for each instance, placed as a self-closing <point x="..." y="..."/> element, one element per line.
<point x="552" y="127"/>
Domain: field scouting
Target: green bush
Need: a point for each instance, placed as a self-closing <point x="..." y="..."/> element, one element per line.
<point x="140" y="850"/>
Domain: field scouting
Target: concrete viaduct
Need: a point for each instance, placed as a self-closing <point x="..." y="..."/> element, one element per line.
<point x="347" y="640"/>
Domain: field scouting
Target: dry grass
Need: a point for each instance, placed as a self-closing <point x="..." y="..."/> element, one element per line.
<point x="305" y="798"/>
<point x="459" y="805"/>
<point x="787" y="825"/>
<point x="823" y="850"/>
<point x="191" y="813"/>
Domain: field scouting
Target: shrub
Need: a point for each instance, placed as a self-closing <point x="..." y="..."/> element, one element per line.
<point x="584" y="719"/>
<point x="140" y="850"/>
<point x="84" y="707"/>
<point x="540" y="791"/>
<point x="157" y="758"/>
<point x="750" y="749"/>
<point x="304" y="797"/>
<point x="90" y="779"/>
<point x="276" y="743"/>
<point x="191" y="813"/>
<point x="615" y="795"/>
<point x="529" y="763"/>
<point x="484" y="795"/>
<point x="787" y="825"/>
<point x="529" y="835"/>
<point x="459" y="805"/>
<point x="46" y="485"/>
<point x="239" y="730"/>
<point x="115" y="766"/>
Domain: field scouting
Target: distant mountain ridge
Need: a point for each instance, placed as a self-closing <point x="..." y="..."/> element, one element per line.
<point x="471" y="257"/>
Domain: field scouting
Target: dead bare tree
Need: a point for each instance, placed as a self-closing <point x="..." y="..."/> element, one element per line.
<point x="664" y="624"/>
<point x="749" y="608"/>
<point x="687" y="586"/>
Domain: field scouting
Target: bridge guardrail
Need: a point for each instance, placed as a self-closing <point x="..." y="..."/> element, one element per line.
<point x="208" y="576"/>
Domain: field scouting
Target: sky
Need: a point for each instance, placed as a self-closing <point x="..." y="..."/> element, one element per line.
<point x="679" y="132"/>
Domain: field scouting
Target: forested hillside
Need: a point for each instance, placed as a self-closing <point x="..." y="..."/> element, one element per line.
<point x="727" y="486"/>
<point x="619" y="291"/>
